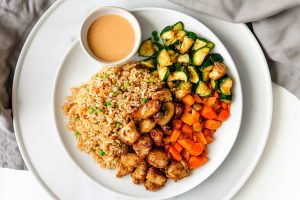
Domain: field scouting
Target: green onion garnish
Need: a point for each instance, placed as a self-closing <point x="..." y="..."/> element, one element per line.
<point x="105" y="77"/>
<point x="144" y="100"/>
<point x="99" y="111"/>
<point x="108" y="104"/>
<point x="102" y="153"/>
<point x="77" y="133"/>
<point x="118" y="124"/>
<point x="151" y="79"/>
<point x="126" y="84"/>
<point x="91" y="110"/>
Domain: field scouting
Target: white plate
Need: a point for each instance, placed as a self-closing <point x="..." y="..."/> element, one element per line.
<point x="32" y="102"/>
<point x="77" y="68"/>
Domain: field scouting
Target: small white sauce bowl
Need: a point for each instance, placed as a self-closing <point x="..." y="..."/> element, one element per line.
<point x="105" y="11"/>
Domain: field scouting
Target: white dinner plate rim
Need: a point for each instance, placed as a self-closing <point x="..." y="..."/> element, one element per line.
<point x="26" y="157"/>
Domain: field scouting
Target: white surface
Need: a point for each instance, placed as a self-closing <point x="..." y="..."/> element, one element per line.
<point x="77" y="68"/>
<point x="34" y="122"/>
<point x="105" y="11"/>
<point x="276" y="177"/>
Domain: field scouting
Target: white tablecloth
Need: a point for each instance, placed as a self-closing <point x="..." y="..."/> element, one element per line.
<point x="276" y="177"/>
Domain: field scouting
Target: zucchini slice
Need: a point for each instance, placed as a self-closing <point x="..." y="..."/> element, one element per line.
<point x="203" y="90"/>
<point x="194" y="78"/>
<point x="149" y="62"/>
<point x="167" y="35"/>
<point x="192" y="35"/>
<point x="185" y="58"/>
<point x="199" y="43"/>
<point x="186" y="44"/>
<point x="204" y="76"/>
<point x="178" y="76"/>
<point x="173" y="55"/>
<point x="146" y="48"/>
<point x="207" y="66"/>
<point x="178" y="27"/>
<point x="213" y="83"/>
<point x="225" y="98"/>
<point x="225" y="85"/>
<point x="157" y="46"/>
<point x="210" y="45"/>
<point x="163" y="58"/>
<point x="185" y="86"/>
<point x="163" y="73"/>
<point x="180" y="35"/>
<point x="200" y="55"/>
<point x="179" y="94"/>
<point x="215" y="57"/>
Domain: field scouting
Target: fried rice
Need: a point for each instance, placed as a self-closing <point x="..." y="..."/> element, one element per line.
<point x="100" y="107"/>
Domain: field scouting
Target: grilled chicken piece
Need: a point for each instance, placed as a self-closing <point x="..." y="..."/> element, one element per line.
<point x="177" y="170"/>
<point x="218" y="71"/>
<point x="129" y="134"/>
<point x="162" y="95"/>
<point x="127" y="164"/>
<point x="178" y="110"/>
<point x="157" y="136"/>
<point x="158" y="158"/>
<point x="155" y="179"/>
<point x="143" y="146"/>
<point x="139" y="174"/>
<point x="147" y="110"/>
<point x="147" y="125"/>
<point x="167" y="129"/>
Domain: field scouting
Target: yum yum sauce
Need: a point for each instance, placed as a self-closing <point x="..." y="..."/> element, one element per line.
<point x="110" y="37"/>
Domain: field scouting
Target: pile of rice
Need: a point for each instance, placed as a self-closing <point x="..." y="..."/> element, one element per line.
<point x="99" y="108"/>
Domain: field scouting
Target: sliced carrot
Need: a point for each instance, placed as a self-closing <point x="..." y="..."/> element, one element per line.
<point x="211" y="101"/>
<point x="216" y="94"/>
<point x="177" y="123"/>
<point x="186" y="143"/>
<point x="197" y="149"/>
<point x="195" y="138"/>
<point x="202" y="138"/>
<point x="185" y="154"/>
<point x="223" y="105"/>
<point x="197" y="127"/>
<point x="174" y="154"/>
<point x="206" y="132"/>
<point x="197" y="98"/>
<point x="166" y="140"/>
<point x="223" y="115"/>
<point x="187" y="118"/>
<point x="209" y="139"/>
<point x="208" y="112"/>
<point x="181" y="136"/>
<point x="229" y="106"/>
<point x="212" y="124"/>
<point x="167" y="146"/>
<point x="197" y="161"/>
<point x="178" y="147"/>
<point x="187" y="108"/>
<point x="174" y="135"/>
<point x="187" y="131"/>
<point x="196" y="115"/>
<point x="188" y="100"/>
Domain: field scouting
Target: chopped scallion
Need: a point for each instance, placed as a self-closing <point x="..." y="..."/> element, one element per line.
<point x="108" y="103"/>
<point x="102" y="153"/>
<point x="77" y="133"/>
<point x="151" y="79"/>
<point x="118" y="124"/>
<point x="91" y="110"/>
<point x="99" y="111"/>
<point x="126" y="84"/>
<point x="105" y="77"/>
<point x="144" y="100"/>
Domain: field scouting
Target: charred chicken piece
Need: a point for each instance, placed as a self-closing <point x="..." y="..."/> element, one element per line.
<point x="129" y="134"/>
<point x="162" y="95"/>
<point x="167" y="129"/>
<point x="147" y="110"/>
<point x="143" y="146"/>
<point x="155" y="179"/>
<point x="158" y="158"/>
<point x="139" y="174"/>
<point x="147" y="125"/>
<point x="127" y="164"/>
<point x="178" y="170"/>
<point x="157" y="136"/>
